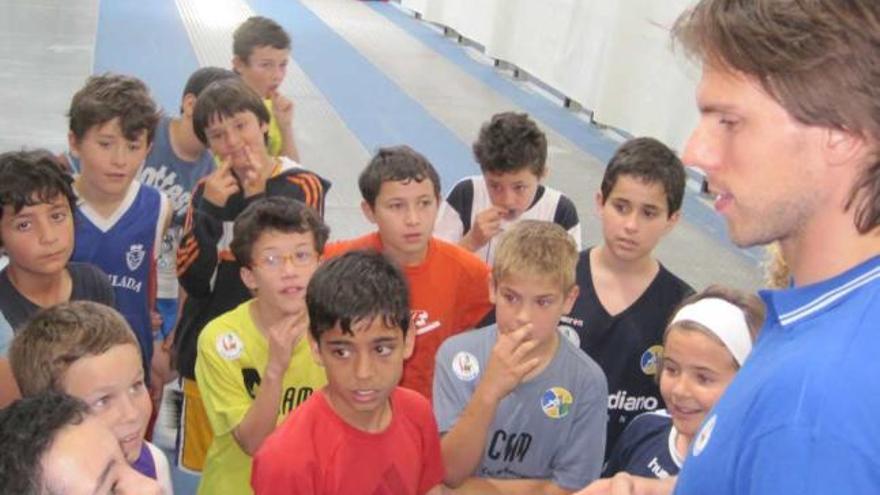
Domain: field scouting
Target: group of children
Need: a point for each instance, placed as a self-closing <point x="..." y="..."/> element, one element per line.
<point x="468" y="345"/>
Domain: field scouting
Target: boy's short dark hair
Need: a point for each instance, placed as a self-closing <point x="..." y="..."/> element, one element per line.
<point x="278" y="213"/>
<point x="255" y="32"/>
<point x="32" y="177"/>
<point x="354" y="287"/>
<point x="397" y="163"/>
<point x="650" y="161"/>
<point x="58" y="336"/>
<point x="511" y="142"/>
<point x="108" y="96"/>
<point x="202" y="77"/>
<point x="28" y="429"/>
<point x="224" y="99"/>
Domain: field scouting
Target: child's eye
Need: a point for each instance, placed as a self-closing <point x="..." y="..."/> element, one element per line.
<point x="620" y="207"/>
<point x="137" y="387"/>
<point x="426" y="203"/>
<point x="650" y="213"/>
<point x="303" y="256"/>
<point x="214" y="136"/>
<point x="22" y="226"/>
<point x="341" y="353"/>
<point x="101" y="402"/>
<point x="239" y="125"/>
<point x="545" y="302"/>
<point x="511" y="298"/>
<point x="59" y="216"/>
<point x="704" y="379"/>
<point x="384" y="350"/>
<point x="519" y="188"/>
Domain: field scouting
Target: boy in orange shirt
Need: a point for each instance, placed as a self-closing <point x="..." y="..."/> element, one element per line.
<point x="449" y="286"/>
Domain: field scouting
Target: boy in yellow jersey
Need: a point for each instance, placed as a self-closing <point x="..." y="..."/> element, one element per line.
<point x="253" y="364"/>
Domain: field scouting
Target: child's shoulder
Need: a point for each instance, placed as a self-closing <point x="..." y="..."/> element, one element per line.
<point x="476" y="343"/>
<point x="455" y="256"/>
<point x="228" y="329"/>
<point x="572" y="356"/>
<point x="672" y="285"/>
<point x="647" y="424"/>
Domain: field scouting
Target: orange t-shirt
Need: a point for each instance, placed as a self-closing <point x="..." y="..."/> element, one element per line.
<point x="449" y="293"/>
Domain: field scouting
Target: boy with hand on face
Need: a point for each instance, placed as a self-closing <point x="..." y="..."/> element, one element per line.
<point x="361" y="433"/>
<point x="627" y="296"/>
<point x="261" y="50"/>
<point x="448" y="285"/>
<point x="253" y="365"/>
<point x="521" y="409"/>
<point x="232" y="121"/>
<point x="512" y="153"/>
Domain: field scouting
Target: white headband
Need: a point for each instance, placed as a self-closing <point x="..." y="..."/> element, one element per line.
<point x="722" y="318"/>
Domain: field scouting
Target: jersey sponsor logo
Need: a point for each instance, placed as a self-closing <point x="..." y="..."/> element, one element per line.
<point x="705" y="434"/>
<point x="465" y="366"/>
<point x="570" y="334"/>
<point x="291" y="397"/>
<point x="650" y="361"/>
<point x="129" y="283"/>
<point x="509" y="447"/>
<point x="135" y="256"/>
<point x="418" y="319"/>
<point x="622" y="402"/>
<point x="574" y="322"/>
<point x="657" y="469"/>
<point x="556" y="402"/>
<point x="229" y="345"/>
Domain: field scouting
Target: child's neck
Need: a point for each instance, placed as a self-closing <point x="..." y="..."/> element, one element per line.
<point x="102" y="203"/>
<point x="367" y="421"/>
<point x="42" y="290"/>
<point x="682" y="444"/>
<point x="544" y="352"/>
<point x="265" y="316"/>
<point x="405" y="259"/>
<point x="646" y="265"/>
<point x="184" y="142"/>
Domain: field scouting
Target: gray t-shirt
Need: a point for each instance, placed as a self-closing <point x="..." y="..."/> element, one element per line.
<point x="551" y="427"/>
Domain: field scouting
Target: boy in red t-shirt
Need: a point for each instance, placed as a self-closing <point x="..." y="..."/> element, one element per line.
<point x="361" y="433"/>
<point x="449" y="286"/>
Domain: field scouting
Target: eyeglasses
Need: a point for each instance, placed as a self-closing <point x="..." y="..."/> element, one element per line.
<point x="296" y="258"/>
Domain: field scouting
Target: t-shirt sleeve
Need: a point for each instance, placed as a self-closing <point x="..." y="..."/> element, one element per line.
<point x="163" y="471"/>
<point x="450" y="394"/>
<point x="567" y="217"/>
<point x="219" y="379"/>
<point x="275" y="471"/>
<point x="432" y="467"/>
<point x="580" y="462"/>
<point x="453" y="219"/>
<point x="620" y="453"/>
<point x="100" y="289"/>
<point x="797" y="459"/>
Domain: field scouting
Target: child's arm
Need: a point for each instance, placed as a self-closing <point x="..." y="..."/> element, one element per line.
<point x="282" y="107"/>
<point x="487" y="224"/>
<point x="490" y="486"/>
<point x="463" y="445"/>
<point x="260" y="419"/>
<point x="626" y="484"/>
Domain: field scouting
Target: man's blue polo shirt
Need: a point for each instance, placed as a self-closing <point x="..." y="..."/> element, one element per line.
<point x="803" y="414"/>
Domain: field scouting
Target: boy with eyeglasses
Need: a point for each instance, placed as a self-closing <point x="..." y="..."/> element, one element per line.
<point x="253" y="365"/>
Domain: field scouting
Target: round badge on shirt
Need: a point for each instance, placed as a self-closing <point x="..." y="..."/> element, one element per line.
<point x="229" y="345"/>
<point x="556" y="402"/>
<point x="651" y="359"/>
<point x="465" y="366"/>
<point x="704" y="435"/>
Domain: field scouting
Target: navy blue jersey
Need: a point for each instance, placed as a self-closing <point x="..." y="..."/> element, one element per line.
<point x="646" y="448"/>
<point x="124" y="247"/>
<point x="627" y="345"/>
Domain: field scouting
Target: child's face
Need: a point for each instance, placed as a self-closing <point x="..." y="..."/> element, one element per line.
<point x="520" y="300"/>
<point x="112" y="384"/>
<point x="634" y="217"/>
<point x="39" y="238"/>
<point x="362" y="369"/>
<point x="109" y="161"/>
<point x="229" y="136"/>
<point x="404" y="213"/>
<point x="696" y="371"/>
<point x="512" y="191"/>
<point x="282" y="263"/>
<point x="264" y="69"/>
<point x="86" y="459"/>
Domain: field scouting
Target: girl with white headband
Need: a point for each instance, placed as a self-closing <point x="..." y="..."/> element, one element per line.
<point x="706" y="342"/>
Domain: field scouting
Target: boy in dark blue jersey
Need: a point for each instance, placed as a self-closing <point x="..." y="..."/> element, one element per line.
<point x="627" y="295"/>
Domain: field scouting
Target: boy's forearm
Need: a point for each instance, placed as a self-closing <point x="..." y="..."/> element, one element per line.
<point x="525" y="487"/>
<point x="259" y="421"/>
<point x="288" y="144"/>
<point x="464" y="444"/>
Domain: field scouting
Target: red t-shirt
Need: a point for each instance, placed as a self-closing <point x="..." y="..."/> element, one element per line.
<point x="315" y="452"/>
<point x="449" y="293"/>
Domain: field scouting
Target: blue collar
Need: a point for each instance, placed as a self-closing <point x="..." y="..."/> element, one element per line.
<point x="791" y="305"/>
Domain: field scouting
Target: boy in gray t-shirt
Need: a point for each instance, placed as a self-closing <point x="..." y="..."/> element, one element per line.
<point x="522" y="410"/>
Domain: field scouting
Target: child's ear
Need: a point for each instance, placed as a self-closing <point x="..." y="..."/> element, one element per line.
<point x="600" y="201"/>
<point x="73" y="144"/>
<point x="570" y="299"/>
<point x="238" y="64"/>
<point x="409" y="343"/>
<point x="368" y="211"/>
<point x="187" y="105"/>
<point x="672" y="221"/>
<point x="316" y="350"/>
<point x="491" y="283"/>
<point x="247" y="276"/>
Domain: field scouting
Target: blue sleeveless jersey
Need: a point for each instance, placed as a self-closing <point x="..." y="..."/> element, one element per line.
<point x="124" y="246"/>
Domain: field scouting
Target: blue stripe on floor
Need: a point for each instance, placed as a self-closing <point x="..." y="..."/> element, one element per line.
<point x="146" y="39"/>
<point x="588" y="139"/>
<point x="378" y="111"/>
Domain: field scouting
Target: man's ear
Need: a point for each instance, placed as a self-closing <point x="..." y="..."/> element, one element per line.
<point x="368" y="211"/>
<point x="844" y="148"/>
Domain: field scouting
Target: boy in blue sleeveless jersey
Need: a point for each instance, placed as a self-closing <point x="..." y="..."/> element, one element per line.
<point x="521" y="409"/>
<point x="119" y="221"/>
<point x="788" y="138"/>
